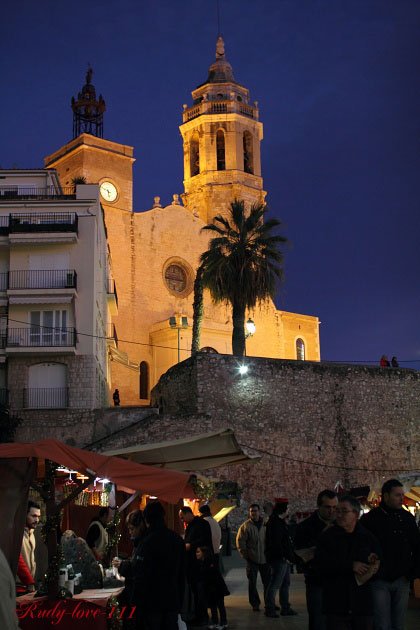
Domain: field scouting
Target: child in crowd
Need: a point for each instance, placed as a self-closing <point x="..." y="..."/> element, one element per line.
<point x="212" y="588"/>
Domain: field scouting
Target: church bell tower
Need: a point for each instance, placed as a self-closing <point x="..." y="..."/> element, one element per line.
<point x="222" y="135"/>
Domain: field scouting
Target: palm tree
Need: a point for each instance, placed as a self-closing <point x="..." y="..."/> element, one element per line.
<point x="243" y="263"/>
<point x="198" y="309"/>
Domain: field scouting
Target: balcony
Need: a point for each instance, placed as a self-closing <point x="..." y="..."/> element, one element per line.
<point x="220" y="107"/>
<point x="112" y="297"/>
<point x="45" y="222"/>
<point x="41" y="398"/>
<point x="4" y="397"/>
<point x="4" y="281"/>
<point x="8" y="193"/>
<point x="41" y="339"/>
<point x="42" y="279"/>
<point x="112" y="338"/>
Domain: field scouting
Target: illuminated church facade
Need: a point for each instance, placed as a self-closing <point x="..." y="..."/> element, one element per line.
<point x="155" y="253"/>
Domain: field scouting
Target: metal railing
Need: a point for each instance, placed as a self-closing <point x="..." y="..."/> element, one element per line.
<point x="112" y="334"/>
<point x="4" y="397"/>
<point x="112" y="289"/>
<point x="43" y="279"/>
<point x="4" y="280"/>
<point x="45" y="222"/>
<point x="32" y="192"/>
<point x="45" y="397"/>
<point x="41" y="336"/>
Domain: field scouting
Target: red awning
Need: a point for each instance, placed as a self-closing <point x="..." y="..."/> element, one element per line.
<point x="166" y="484"/>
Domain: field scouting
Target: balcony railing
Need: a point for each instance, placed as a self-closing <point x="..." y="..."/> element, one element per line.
<point x="220" y="107"/>
<point x="112" y="289"/>
<point x="43" y="279"/>
<point x="112" y="335"/>
<point x="4" y="397"/>
<point x="45" y="397"/>
<point x="36" y="222"/>
<point x="32" y="192"/>
<point x="41" y="336"/>
<point x="4" y="281"/>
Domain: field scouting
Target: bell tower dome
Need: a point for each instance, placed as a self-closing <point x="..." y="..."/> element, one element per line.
<point x="222" y="135"/>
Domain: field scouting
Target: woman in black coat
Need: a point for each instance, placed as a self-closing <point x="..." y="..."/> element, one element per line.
<point x="212" y="588"/>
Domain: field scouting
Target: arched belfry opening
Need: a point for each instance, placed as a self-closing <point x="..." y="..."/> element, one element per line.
<point x="194" y="155"/>
<point x="88" y="111"/>
<point x="248" y="153"/>
<point x="220" y="150"/>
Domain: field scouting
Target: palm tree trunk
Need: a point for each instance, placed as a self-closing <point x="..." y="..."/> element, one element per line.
<point x="238" y="333"/>
<point x="198" y="310"/>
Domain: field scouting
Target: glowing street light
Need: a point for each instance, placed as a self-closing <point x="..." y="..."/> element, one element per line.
<point x="250" y="327"/>
<point x="243" y="369"/>
<point x="178" y="325"/>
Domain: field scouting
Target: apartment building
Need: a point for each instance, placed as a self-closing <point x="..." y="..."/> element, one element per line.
<point x="57" y="295"/>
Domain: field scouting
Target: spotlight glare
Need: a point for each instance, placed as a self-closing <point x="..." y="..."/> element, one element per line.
<point x="243" y="369"/>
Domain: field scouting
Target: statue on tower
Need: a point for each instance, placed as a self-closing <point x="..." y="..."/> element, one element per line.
<point x="88" y="111"/>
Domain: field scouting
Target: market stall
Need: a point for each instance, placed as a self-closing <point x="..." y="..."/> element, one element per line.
<point x="19" y="463"/>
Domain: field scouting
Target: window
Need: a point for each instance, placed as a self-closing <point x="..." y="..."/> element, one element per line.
<point x="220" y="149"/>
<point x="300" y="350"/>
<point x="48" y="328"/>
<point x="248" y="157"/>
<point x="144" y="380"/>
<point x="175" y="278"/>
<point x="194" y="155"/>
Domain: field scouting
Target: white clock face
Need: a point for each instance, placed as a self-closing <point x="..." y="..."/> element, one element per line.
<point x="108" y="191"/>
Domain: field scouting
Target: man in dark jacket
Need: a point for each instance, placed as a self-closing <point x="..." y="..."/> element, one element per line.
<point x="278" y="549"/>
<point x="197" y="534"/>
<point x="306" y="537"/>
<point x="346" y="557"/>
<point x="399" y="538"/>
<point x="159" y="574"/>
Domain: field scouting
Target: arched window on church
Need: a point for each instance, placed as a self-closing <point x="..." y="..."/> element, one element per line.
<point x="300" y="350"/>
<point x="248" y="156"/>
<point x="194" y="155"/>
<point x="220" y="149"/>
<point x="144" y="380"/>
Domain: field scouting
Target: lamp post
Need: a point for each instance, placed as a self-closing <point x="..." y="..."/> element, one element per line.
<point x="178" y="325"/>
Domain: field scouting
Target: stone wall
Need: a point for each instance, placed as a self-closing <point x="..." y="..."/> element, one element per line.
<point x="80" y="427"/>
<point x="313" y="424"/>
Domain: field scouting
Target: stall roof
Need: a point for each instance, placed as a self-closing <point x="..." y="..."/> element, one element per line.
<point x="168" y="485"/>
<point x="199" y="452"/>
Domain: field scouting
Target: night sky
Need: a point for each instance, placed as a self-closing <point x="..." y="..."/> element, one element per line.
<point x="338" y="87"/>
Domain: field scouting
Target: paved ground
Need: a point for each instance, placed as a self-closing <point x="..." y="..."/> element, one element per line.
<point x="241" y="617"/>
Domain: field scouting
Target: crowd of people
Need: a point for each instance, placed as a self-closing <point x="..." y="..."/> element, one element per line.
<point x="357" y="570"/>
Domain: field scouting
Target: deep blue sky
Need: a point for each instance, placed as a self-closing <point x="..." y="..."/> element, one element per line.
<point x="338" y="86"/>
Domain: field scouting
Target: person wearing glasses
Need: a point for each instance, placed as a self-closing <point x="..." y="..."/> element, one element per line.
<point x="399" y="537"/>
<point x="250" y="542"/>
<point x="306" y="537"/>
<point x="346" y="558"/>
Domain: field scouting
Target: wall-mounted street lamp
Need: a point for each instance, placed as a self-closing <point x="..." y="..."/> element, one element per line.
<point x="250" y="328"/>
<point x="178" y="325"/>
